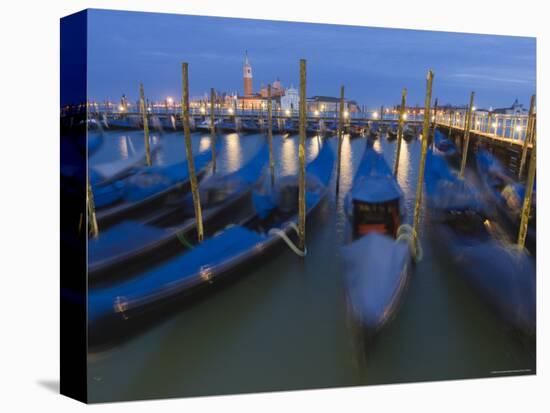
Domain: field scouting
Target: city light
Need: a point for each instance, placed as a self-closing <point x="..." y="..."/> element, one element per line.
<point x="346" y="114"/>
<point x="494" y="125"/>
<point x="316" y="113"/>
<point x="473" y="108"/>
<point x="230" y="111"/>
<point x="169" y="100"/>
<point x="404" y="116"/>
<point x="203" y="110"/>
<point x="375" y="115"/>
<point x="518" y="128"/>
<point x="287" y="112"/>
<point x="121" y="108"/>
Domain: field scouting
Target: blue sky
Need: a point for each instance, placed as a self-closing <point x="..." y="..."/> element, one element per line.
<point x="374" y="64"/>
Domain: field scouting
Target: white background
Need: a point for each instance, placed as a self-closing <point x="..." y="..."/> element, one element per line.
<point x="29" y="204"/>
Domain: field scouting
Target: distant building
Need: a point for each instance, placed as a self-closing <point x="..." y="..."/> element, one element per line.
<point x="277" y="89"/>
<point x="247" y="77"/>
<point x="330" y="104"/>
<point x="516" y="109"/>
<point x="290" y="100"/>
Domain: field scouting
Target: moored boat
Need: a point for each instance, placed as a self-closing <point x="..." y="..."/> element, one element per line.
<point x="445" y="147"/>
<point x="501" y="274"/>
<point x="115" y="310"/>
<point x="377" y="261"/>
<point x="506" y="195"/>
<point x="144" y="189"/>
<point x="132" y="245"/>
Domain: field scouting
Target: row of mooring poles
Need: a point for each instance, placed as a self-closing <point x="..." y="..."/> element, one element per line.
<point x="189" y="151"/>
<point x="422" y="167"/>
<point x="400" y="126"/>
<point x="529" y="133"/>
<point x="467" y="125"/>
<point x="340" y="138"/>
<point x="302" y="159"/>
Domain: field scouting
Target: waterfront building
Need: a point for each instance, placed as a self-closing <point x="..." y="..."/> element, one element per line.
<point x="291" y="99"/>
<point x="516" y="109"/>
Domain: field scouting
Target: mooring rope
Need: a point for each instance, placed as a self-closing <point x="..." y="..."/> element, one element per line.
<point x="405" y="233"/>
<point x="183" y="240"/>
<point x="281" y="233"/>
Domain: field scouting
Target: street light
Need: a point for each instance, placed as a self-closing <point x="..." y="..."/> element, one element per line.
<point x="375" y="115"/>
<point x="316" y="113"/>
<point x="169" y="100"/>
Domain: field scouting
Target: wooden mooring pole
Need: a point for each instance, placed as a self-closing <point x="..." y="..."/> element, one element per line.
<point x="302" y="159"/>
<point x="270" y="134"/>
<point x="340" y="137"/>
<point x="401" y="123"/>
<point x="528" y="135"/>
<point x="527" y="200"/>
<point x="189" y="151"/>
<point x="92" y="219"/>
<point x="213" y="129"/>
<point x="145" y="125"/>
<point x="467" y="124"/>
<point x="421" y="168"/>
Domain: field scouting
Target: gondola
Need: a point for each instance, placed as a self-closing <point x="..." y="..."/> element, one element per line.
<point x="506" y="195"/>
<point x="291" y="127"/>
<point x="501" y="274"/>
<point x="144" y="190"/>
<point x="356" y="130"/>
<point x="392" y="134"/>
<point x="107" y="173"/>
<point x="119" y="250"/>
<point x="227" y="125"/>
<point x="126" y="122"/>
<point x="205" y="126"/>
<point x="446" y="148"/>
<point x="408" y="133"/>
<point x="122" y="307"/>
<point x="313" y="128"/>
<point x="377" y="261"/>
<point x="250" y="126"/>
<point x="374" y="131"/>
<point x="163" y="122"/>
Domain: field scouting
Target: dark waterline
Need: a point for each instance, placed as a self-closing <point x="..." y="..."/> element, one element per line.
<point x="285" y="326"/>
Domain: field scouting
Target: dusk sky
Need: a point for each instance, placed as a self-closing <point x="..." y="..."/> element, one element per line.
<point x="374" y="64"/>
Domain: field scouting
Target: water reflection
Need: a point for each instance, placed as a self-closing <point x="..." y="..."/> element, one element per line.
<point x="289" y="157"/>
<point x="204" y="143"/>
<point x="123" y="147"/>
<point x="234" y="152"/>
<point x="269" y="309"/>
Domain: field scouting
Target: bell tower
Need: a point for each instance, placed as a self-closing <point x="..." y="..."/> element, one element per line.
<point x="247" y="76"/>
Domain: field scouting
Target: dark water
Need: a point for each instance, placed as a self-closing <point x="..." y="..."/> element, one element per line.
<point x="285" y="325"/>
